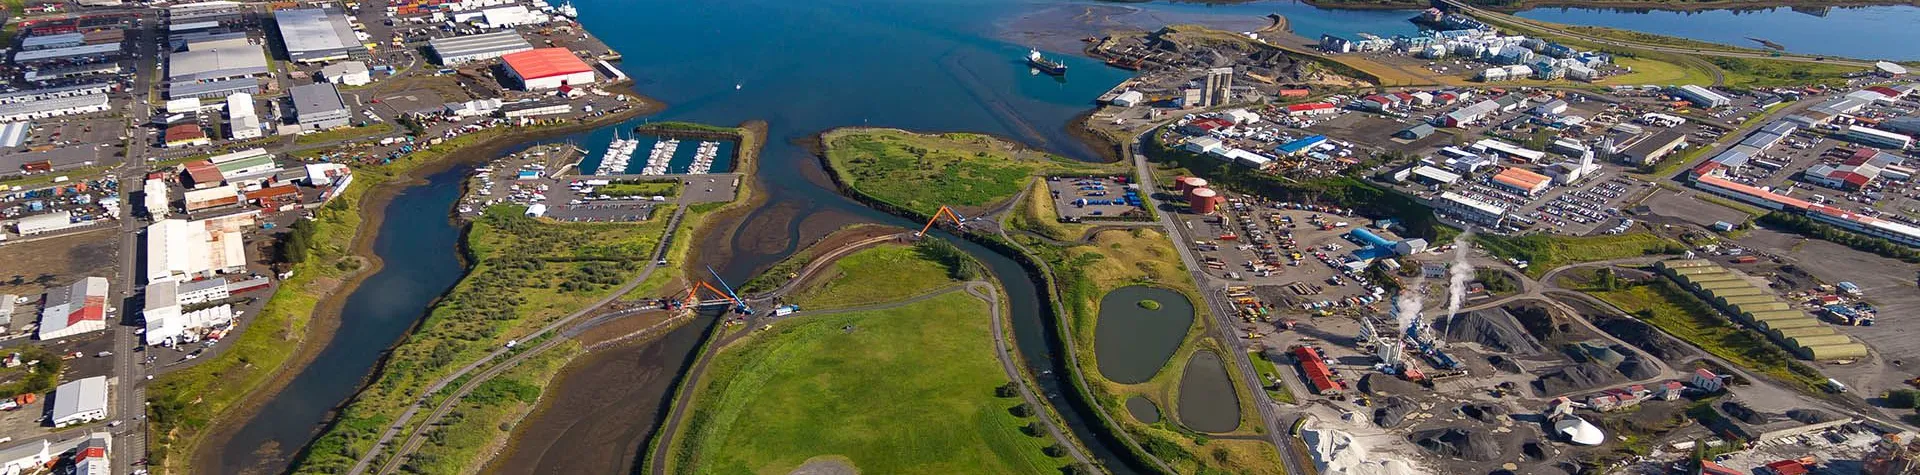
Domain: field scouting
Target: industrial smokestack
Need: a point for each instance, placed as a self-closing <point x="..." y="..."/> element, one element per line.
<point x="1458" y="275"/>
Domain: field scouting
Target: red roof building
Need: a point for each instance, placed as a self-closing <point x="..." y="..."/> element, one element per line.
<point x="1311" y="108"/>
<point x="1318" y="375"/>
<point x="274" y="196"/>
<point x="203" y="174"/>
<point x="1787" y="467"/>
<point x="548" y="68"/>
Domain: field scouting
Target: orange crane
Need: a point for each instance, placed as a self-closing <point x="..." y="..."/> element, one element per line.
<point x="693" y="293"/>
<point x="944" y="211"/>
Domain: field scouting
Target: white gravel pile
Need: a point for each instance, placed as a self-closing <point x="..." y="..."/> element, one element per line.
<point x="1338" y="453"/>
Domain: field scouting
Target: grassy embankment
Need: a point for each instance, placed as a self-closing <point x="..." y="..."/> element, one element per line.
<point x="1682" y="315"/>
<point x="526" y="273"/>
<point x="873" y="276"/>
<point x="1545" y="252"/>
<point x="921" y="172"/>
<point x="1112" y="259"/>
<point x="345" y="133"/>
<point x="919" y="397"/>
<point x="184" y="404"/>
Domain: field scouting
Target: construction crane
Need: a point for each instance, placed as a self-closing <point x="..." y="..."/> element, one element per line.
<point x="740" y="305"/>
<point x="944" y="211"/>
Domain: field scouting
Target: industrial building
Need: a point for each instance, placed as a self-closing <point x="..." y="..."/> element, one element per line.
<point x="167" y="323"/>
<point x="181" y="250"/>
<point x="1469" y="209"/>
<point x="92" y="457"/>
<point x="213" y="89"/>
<point x="1650" y="149"/>
<point x="543" y="106"/>
<point x="318" y="107"/>
<point x="56" y="220"/>
<point x="1877" y="138"/>
<point x="186" y="135"/>
<point x="75" y="309"/>
<point x="27" y="457"/>
<point x="217" y="59"/>
<point x="1701" y="96"/>
<point x="156" y="199"/>
<point x="315" y="35"/>
<point x="50" y="107"/>
<point x="1758" y="307"/>
<point x="347" y="73"/>
<point x="242" y="121"/>
<point x="548" y="68"/>
<point x="460" y="50"/>
<point x="1522" y="181"/>
<point x="79" y="402"/>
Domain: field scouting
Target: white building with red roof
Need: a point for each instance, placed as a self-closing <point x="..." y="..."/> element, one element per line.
<point x="77" y="309"/>
<point x="548" y="68"/>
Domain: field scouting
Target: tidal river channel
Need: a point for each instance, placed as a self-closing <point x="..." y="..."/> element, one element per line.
<point x="804" y="67"/>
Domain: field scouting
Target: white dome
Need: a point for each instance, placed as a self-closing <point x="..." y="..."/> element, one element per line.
<point x="1579" y="431"/>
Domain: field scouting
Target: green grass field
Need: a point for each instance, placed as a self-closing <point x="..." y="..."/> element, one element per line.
<point x="907" y="390"/>
<point x="1545" y="252"/>
<point x="921" y="172"/>
<point x="874" y="275"/>
<point x="1659" y="73"/>
<point x="1690" y="319"/>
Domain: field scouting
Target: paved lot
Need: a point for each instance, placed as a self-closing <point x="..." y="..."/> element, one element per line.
<point x="1887" y="283"/>
<point x="1262" y="240"/>
<point x="1073" y="198"/>
<point x="1689" y="207"/>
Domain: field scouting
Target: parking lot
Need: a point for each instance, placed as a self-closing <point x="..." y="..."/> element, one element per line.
<point x="1080" y="198"/>
<point x="1295" y="255"/>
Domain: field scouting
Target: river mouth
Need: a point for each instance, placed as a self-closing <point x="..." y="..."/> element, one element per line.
<point x="1138" y="331"/>
<point x="1207" y="402"/>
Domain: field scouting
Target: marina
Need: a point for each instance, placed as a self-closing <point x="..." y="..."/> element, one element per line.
<point x="663" y="156"/>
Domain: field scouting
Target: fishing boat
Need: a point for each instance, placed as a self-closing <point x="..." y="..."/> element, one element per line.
<point x="1042" y="64"/>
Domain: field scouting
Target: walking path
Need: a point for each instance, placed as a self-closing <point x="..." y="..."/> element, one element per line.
<point x="405" y="418"/>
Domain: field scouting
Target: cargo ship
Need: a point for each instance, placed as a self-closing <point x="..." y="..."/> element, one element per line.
<point x="1042" y="64"/>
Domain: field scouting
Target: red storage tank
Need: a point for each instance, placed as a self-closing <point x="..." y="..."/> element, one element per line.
<point x="1202" y="200"/>
<point x="1180" y="185"/>
<point x="1195" y="182"/>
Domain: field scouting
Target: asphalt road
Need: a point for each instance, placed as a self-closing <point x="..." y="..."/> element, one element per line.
<point x="1274" y="426"/>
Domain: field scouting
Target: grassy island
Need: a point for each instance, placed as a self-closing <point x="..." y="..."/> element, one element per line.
<point x="921" y="172"/>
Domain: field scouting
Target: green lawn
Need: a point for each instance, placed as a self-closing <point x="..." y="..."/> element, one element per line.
<point x="907" y="390"/>
<point x="1268" y="370"/>
<point x="1682" y="315"/>
<point x="874" y="275"/>
<point x="1661" y="73"/>
<point x="1545" y="252"/>
<point x="921" y="172"/>
<point x="344" y="133"/>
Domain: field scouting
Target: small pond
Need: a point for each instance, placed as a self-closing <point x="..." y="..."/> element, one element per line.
<point x="1140" y="327"/>
<point x="1207" y="402"/>
<point x="1143" y="410"/>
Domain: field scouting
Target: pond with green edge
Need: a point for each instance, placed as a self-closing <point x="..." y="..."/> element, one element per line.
<point x="1140" y="328"/>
